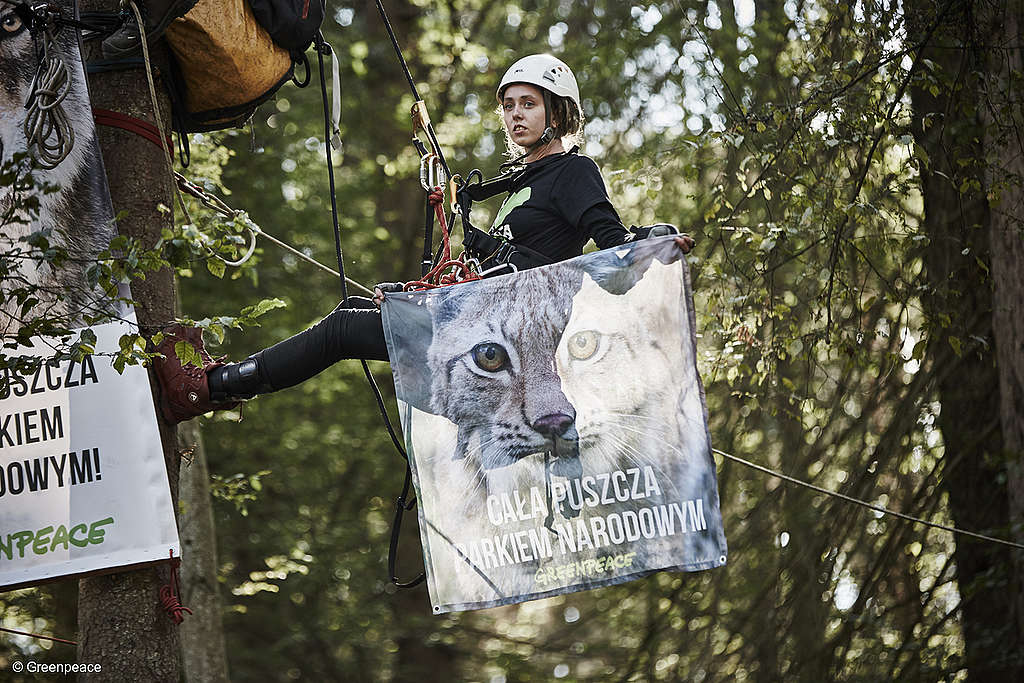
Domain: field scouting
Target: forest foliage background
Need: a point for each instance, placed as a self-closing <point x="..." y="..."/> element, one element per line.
<point x="839" y="165"/>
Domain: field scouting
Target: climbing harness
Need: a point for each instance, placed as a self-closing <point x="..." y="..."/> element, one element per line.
<point x="438" y="271"/>
<point x="493" y="252"/>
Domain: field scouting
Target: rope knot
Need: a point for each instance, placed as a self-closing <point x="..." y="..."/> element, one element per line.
<point x="436" y="196"/>
<point x="169" y="594"/>
<point x="172" y="605"/>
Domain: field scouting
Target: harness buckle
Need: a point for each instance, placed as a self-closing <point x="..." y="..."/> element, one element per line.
<point x="508" y="265"/>
<point x="504" y="252"/>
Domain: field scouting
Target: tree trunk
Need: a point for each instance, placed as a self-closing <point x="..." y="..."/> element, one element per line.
<point x="1004" y="121"/>
<point x="959" y="307"/>
<point x="202" y="634"/>
<point x="122" y="625"/>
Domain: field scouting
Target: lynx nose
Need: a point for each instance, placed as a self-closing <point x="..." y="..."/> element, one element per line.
<point x="556" y="424"/>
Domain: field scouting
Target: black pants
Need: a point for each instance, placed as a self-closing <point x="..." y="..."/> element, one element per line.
<point x="355" y="331"/>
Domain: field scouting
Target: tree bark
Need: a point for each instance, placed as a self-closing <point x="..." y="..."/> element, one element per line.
<point x="204" y="658"/>
<point x="122" y="625"/>
<point x="1004" y="123"/>
<point x="959" y="305"/>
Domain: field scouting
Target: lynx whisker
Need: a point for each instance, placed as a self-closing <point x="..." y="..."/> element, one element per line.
<point x="629" y="452"/>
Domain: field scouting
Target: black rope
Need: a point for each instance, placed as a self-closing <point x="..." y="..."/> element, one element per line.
<point x="426" y="263"/>
<point x="412" y="86"/>
<point x="37" y="16"/>
<point x="401" y="505"/>
<point x="321" y="48"/>
<point x="398" y="51"/>
<point x="384" y="413"/>
<point x="400" y="509"/>
<point x="469" y="562"/>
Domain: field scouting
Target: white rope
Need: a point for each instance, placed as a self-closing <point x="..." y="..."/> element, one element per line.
<point x="308" y="259"/>
<point x="864" y="503"/>
<point x="156" y="105"/>
<point x="215" y="203"/>
<point x="335" y="101"/>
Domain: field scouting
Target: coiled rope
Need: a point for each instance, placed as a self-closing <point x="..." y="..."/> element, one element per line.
<point x="47" y="126"/>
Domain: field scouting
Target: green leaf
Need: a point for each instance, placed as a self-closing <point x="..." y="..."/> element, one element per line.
<point x="957" y="345"/>
<point x="216" y="267"/>
<point x="187" y="354"/>
<point x="264" y="306"/>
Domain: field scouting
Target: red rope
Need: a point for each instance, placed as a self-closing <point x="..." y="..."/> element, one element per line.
<point x="37" y="635"/>
<point x="448" y="271"/>
<point x="168" y="598"/>
<point x="113" y="119"/>
<point x="169" y="594"/>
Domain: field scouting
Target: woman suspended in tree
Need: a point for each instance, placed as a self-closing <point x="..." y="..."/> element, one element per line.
<point x="556" y="203"/>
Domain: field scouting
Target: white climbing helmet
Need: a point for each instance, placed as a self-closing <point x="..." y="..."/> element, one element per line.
<point x="543" y="71"/>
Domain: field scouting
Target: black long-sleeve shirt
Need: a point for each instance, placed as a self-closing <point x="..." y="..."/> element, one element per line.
<point x="556" y="205"/>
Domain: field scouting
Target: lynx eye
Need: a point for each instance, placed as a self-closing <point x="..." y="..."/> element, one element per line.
<point x="490" y="357"/>
<point x="11" y="23"/>
<point x="583" y="345"/>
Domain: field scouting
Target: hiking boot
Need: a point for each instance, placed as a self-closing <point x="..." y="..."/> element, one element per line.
<point x="185" y="388"/>
<point x="157" y="16"/>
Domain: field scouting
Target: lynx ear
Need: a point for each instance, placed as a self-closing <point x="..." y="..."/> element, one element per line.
<point x="617" y="269"/>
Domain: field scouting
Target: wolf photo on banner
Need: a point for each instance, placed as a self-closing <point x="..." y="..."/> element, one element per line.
<point x="83" y="484"/>
<point x="55" y="185"/>
<point x="557" y="427"/>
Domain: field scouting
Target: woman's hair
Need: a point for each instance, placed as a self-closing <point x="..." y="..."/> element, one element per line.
<point x="566" y="119"/>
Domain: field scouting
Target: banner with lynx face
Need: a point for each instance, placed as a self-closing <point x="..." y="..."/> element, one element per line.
<point x="557" y="428"/>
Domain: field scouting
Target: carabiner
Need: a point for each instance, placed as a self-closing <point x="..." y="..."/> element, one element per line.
<point x="431" y="172"/>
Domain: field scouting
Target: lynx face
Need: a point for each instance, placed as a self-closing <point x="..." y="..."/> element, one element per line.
<point x="630" y="419"/>
<point x="494" y="375"/>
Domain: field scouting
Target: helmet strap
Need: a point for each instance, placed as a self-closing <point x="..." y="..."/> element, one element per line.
<point x="549" y="130"/>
